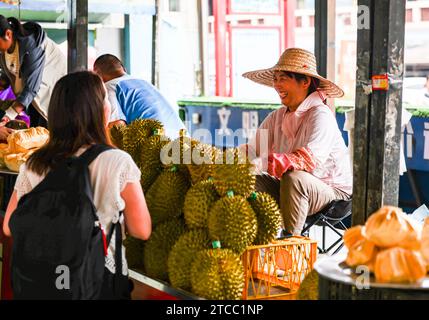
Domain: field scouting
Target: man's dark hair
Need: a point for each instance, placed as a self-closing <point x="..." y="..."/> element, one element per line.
<point x="109" y="64"/>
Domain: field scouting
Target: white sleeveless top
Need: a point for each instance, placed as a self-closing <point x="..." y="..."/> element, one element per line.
<point x="109" y="173"/>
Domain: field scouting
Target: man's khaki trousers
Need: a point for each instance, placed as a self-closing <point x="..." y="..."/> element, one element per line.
<point x="299" y="194"/>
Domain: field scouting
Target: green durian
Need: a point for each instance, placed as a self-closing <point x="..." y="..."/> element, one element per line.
<point x="268" y="216"/>
<point x="117" y="133"/>
<point x="157" y="249"/>
<point x="151" y="165"/>
<point x="217" y="274"/>
<point x="135" y="135"/>
<point x="233" y="172"/>
<point x="166" y="196"/>
<point x="183" y="254"/>
<point x="309" y="288"/>
<point x="233" y="222"/>
<point x="134" y="252"/>
<point x="198" y="202"/>
<point x="203" y="159"/>
<point x="178" y="153"/>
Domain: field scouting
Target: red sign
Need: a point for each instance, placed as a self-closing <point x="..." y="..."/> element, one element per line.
<point x="380" y="82"/>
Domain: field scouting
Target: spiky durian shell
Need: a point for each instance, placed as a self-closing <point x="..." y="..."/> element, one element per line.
<point x="233" y="222"/>
<point x="217" y="274"/>
<point x="178" y="153"/>
<point x="309" y="288"/>
<point x="117" y="133"/>
<point x="134" y="252"/>
<point x="135" y="135"/>
<point x="203" y="158"/>
<point x="151" y="166"/>
<point x="183" y="254"/>
<point x="268" y="216"/>
<point x="233" y="172"/>
<point x="198" y="202"/>
<point x="166" y="196"/>
<point x="157" y="249"/>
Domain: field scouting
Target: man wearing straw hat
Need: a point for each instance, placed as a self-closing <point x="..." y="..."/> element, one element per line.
<point x="307" y="160"/>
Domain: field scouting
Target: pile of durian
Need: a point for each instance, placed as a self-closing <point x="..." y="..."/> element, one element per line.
<point x="204" y="209"/>
<point x="392" y="245"/>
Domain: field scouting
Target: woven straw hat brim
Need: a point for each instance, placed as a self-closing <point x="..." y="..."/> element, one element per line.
<point x="265" y="77"/>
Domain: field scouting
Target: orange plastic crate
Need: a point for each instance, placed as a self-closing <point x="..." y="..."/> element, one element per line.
<point x="277" y="269"/>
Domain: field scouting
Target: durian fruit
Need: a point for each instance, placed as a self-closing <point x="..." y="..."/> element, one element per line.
<point x="268" y="216"/>
<point x="233" y="222"/>
<point x="198" y="202"/>
<point x="135" y="135"/>
<point x="309" y="288"/>
<point x="134" y="252"/>
<point x="166" y="196"/>
<point x="397" y="265"/>
<point x="203" y="158"/>
<point x="117" y="133"/>
<point x="151" y="165"/>
<point x="217" y="274"/>
<point x="390" y="227"/>
<point x="157" y="249"/>
<point x="183" y="254"/>
<point x="233" y="172"/>
<point x="16" y="125"/>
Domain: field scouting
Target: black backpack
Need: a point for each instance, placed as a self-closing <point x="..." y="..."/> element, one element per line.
<point x="59" y="247"/>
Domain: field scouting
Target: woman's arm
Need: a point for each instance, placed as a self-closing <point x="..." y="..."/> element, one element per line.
<point x="137" y="217"/>
<point x="10" y="209"/>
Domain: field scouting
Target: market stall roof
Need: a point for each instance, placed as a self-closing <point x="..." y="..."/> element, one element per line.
<point x="95" y="6"/>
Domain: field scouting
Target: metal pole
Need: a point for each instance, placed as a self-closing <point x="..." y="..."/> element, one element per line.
<point x="202" y="13"/>
<point x="321" y="35"/>
<point x="77" y="35"/>
<point x="378" y="117"/>
<point x="155" y="57"/>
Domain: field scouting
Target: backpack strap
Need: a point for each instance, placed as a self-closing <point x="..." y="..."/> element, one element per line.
<point x="116" y="227"/>
<point x="93" y="152"/>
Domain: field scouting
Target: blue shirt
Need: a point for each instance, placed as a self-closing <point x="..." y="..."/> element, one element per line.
<point x="133" y="99"/>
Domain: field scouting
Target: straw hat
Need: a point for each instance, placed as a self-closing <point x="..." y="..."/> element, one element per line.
<point x="298" y="61"/>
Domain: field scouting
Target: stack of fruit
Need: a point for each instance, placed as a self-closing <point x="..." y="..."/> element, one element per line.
<point x="204" y="209"/>
<point x="392" y="245"/>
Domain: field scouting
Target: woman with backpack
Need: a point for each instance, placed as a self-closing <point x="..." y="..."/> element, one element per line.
<point x="33" y="63"/>
<point x="79" y="111"/>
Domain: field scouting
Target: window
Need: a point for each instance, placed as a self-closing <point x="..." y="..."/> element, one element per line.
<point x="409" y="15"/>
<point x="425" y="14"/>
<point x="174" y="5"/>
<point x="299" y="22"/>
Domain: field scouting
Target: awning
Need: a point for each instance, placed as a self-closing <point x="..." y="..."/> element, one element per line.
<point x="146" y="7"/>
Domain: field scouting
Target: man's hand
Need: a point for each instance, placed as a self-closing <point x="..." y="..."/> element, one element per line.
<point x="4" y="120"/>
<point x="18" y="107"/>
<point x="4" y="133"/>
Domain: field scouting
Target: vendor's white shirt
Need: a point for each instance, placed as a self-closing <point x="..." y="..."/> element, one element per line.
<point x="312" y="125"/>
<point x="109" y="172"/>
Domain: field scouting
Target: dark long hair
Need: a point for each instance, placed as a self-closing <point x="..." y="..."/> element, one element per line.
<point x="76" y="118"/>
<point x="13" y="24"/>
